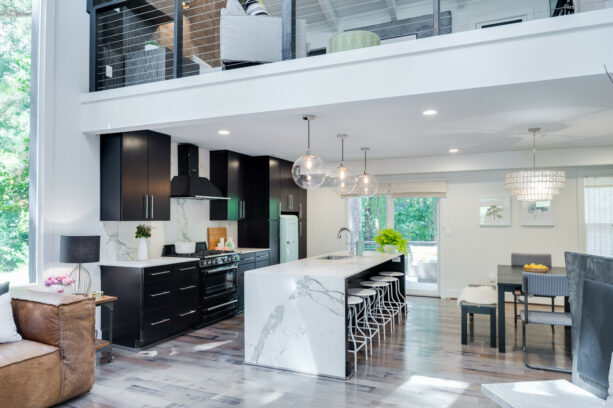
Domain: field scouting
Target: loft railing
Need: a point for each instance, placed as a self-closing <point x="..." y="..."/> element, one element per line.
<point x="140" y="41"/>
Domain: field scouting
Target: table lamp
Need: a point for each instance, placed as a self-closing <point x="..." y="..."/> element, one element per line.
<point x="80" y="250"/>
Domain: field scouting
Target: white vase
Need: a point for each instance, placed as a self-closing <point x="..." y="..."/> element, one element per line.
<point x="390" y="249"/>
<point x="150" y="47"/>
<point x="142" y="251"/>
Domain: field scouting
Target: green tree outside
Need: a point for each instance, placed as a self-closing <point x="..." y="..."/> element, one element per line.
<point x="15" y="51"/>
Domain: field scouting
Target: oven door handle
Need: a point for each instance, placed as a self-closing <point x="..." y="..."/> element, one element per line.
<point x="222" y="269"/>
<point x="222" y="305"/>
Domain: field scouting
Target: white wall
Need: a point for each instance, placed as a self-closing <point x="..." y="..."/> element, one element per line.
<point x="69" y="187"/>
<point x="326" y="214"/>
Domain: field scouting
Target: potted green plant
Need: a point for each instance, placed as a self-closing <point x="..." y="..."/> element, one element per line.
<point x="151" y="45"/>
<point x="391" y="241"/>
<point x="143" y="232"/>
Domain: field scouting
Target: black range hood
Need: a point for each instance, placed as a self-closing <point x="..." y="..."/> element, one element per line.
<point x="189" y="184"/>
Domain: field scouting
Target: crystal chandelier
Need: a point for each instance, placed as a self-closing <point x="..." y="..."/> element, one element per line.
<point x="343" y="182"/>
<point x="309" y="171"/>
<point x="535" y="185"/>
<point x="367" y="185"/>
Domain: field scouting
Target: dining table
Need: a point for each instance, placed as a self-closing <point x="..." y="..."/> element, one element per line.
<point x="510" y="280"/>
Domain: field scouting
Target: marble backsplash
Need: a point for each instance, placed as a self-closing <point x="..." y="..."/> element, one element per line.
<point x="189" y="220"/>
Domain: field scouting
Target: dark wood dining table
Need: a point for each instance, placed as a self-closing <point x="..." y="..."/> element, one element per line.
<point x="509" y="280"/>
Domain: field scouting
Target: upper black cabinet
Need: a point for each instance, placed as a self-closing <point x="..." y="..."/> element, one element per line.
<point x="289" y="189"/>
<point x="229" y="172"/>
<point x="135" y="176"/>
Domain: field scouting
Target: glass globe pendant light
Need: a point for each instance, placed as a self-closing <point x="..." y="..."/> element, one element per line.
<point x="535" y="185"/>
<point x="366" y="184"/>
<point x="309" y="171"/>
<point x="343" y="182"/>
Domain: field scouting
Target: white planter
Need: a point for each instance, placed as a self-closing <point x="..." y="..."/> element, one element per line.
<point x="390" y="249"/>
<point x="142" y="251"/>
<point x="150" y="47"/>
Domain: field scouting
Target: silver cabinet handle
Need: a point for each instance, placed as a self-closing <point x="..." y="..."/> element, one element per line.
<point x="187" y="313"/>
<point x="300" y="228"/>
<point x="187" y="269"/>
<point x="160" y="294"/>
<point x="188" y="287"/>
<point x="146" y="198"/>
<point x="299" y="210"/>
<point x="160" y="273"/>
<point x="290" y="201"/>
<point x="222" y="305"/>
<point x="160" y="322"/>
<point x="151" y="207"/>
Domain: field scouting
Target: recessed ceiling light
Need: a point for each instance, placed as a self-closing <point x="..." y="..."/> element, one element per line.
<point x="454" y="150"/>
<point x="430" y="112"/>
<point x="223" y="132"/>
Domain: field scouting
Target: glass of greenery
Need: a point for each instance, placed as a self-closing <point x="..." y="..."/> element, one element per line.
<point x="387" y="238"/>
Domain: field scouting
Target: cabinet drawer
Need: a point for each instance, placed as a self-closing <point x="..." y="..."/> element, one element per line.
<point x="157" y="324"/>
<point x="260" y="256"/>
<point x="262" y="264"/>
<point x="246" y="258"/>
<point x="159" y="272"/>
<point x="186" y="275"/>
<point x="157" y="294"/>
<point x="185" y="315"/>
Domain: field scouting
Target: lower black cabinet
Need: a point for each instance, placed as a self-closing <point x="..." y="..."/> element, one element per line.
<point x="153" y="303"/>
<point x="249" y="261"/>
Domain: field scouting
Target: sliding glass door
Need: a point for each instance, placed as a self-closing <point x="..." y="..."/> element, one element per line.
<point x="416" y="218"/>
<point x="598" y="209"/>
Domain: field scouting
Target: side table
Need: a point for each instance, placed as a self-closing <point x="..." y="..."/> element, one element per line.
<point x="106" y="346"/>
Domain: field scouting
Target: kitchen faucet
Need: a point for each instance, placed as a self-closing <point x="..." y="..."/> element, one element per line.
<point x="351" y="240"/>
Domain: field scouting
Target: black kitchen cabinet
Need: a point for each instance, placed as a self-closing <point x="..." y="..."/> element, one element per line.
<point x="229" y="172"/>
<point x="302" y="224"/>
<point x="289" y="189"/>
<point x="135" y="176"/>
<point x="152" y="303"/>
<point x="249" y="261"/>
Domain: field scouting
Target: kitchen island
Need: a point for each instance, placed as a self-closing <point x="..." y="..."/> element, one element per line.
<point x="295" y="312"/>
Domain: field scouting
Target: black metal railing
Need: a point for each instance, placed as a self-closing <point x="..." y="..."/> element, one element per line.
<point x="140" y="41"/>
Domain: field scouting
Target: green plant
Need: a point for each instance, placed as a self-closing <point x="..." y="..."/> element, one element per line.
<point x="152" y="42"/>
<point x="143" y="231"/>
<point x="390" y="237"/>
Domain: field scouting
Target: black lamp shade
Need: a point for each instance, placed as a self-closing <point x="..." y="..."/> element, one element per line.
<point x="80" y="249"/>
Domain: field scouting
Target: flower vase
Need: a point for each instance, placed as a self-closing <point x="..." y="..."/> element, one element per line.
<point x="390" y="249"/>
<point x="142" y="251"/>
<point x="56" y="288"/>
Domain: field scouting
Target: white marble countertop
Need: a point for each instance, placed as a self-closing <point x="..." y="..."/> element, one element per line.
<point x="249" y="250"/>
<point x="316" y="266"/>
<point x="164" y="260"/>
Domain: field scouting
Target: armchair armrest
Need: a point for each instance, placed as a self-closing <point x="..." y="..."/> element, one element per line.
<point x="66" y="322"/>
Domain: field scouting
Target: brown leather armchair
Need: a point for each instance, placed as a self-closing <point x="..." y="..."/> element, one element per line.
<point x="55" y="360"/>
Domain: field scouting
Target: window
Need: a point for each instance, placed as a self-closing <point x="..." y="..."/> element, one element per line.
<point x="15" y="51"/>
<point x="374" y="218"/>
<point x="598" y="207"/>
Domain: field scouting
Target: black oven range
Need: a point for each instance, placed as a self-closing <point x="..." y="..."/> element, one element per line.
<point x="218" y="281"/>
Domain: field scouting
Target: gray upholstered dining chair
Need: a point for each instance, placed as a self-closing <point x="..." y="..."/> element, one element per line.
<point x="521" y="260"/>
<point x="538" y="284"/>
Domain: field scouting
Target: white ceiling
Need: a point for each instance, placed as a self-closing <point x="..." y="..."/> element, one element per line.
<point x="572" y="113"/>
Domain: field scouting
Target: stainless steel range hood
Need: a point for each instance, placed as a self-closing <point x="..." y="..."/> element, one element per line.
<point x="189" y="184"/>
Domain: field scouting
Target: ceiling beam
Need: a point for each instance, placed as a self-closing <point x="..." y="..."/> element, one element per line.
<point x="391" y="7"/>
<point x="329" y="13"/>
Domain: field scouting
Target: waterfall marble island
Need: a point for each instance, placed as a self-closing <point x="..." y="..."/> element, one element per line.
<point x="296" y="313"/>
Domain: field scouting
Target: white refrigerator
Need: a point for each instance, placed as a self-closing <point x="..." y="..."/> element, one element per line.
<point x="288" y="250"/>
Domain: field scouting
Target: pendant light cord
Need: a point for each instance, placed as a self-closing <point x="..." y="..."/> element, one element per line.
<point x="309" y="135"/>
<point x="342" y="151"/>
<point x="364" y="161"/>
<point x="534" y="149"/>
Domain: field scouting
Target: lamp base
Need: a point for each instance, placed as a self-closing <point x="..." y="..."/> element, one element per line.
<point x="82" y="280"/>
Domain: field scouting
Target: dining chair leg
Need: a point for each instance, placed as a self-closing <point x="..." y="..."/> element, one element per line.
<point x="553" y="309"/>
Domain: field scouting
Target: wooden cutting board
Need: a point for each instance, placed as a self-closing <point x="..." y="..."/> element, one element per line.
<point x="214" y="235"/>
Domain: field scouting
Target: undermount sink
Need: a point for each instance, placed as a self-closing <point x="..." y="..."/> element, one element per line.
<point x="335" y="257"/>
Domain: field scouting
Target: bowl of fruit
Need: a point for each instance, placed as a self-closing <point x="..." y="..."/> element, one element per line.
<point x="538" y="268"/>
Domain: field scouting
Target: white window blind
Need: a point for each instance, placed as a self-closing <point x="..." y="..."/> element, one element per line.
<point x="598" y="207"/>
<point x="411" y="189"/>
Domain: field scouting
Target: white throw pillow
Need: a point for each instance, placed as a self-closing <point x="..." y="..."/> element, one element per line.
<point x="8" y="330"/>
<point x="609" y="403"/>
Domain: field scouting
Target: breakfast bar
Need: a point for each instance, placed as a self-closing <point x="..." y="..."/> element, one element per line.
<point x="295" y="312"/>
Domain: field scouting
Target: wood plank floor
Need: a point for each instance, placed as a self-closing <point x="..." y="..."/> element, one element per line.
<point x="421" y="365"/>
